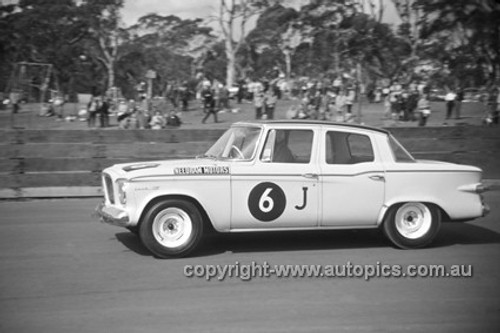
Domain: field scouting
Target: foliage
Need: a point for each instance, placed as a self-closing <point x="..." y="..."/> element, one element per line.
<point x="450" y="42"/>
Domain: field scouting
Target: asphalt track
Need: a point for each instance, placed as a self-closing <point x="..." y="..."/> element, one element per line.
<point x="62" y="271"/>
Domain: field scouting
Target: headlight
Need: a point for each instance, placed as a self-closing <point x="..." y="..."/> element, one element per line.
<point x="121" y="185"/>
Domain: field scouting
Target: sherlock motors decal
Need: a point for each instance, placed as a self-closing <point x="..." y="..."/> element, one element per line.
<point x="202" y="170"/>
<point x="266" y="202"/>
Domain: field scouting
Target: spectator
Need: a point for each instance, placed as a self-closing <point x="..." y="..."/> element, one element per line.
<point x="258" y="100"/>
<point x="172" y="93"/>
<point x="157" y="121"/>
<point x="450" y="103"/>
<point x="424" y="109"/>
<point x="143" y="113"/>
<point x="224" y="98"/>
<point x="184" y="95"/>
<point x="412" y="103"/>
<point x="241" y="92"/>
<point x="340" y="101"/>
<point x="349" y="101"/>
<point x="15" y="100"/>
<point x="395" y="105"/>
<point x="59" y="107"/>
<point x="92" y="109"/>
<point x="103" y="112"/>
<point x="123" y="114"/>
<point x="173" y="120"/>
<point x="209" y="105"/>
<point x="493" y="105"/>
<point x="133" y="123"/>
<point x="459" y="99"/>
<point x="270" y="100"/>
<point x="387" y="107"/>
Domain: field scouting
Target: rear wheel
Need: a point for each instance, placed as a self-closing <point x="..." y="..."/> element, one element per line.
<point x="412" y="224"/>
<point x="171" y="228"/>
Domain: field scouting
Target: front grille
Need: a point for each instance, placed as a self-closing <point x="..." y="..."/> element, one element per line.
<point x="108" y="183"/>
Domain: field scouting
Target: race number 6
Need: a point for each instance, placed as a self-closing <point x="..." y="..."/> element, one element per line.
<point x="266" y="202"/>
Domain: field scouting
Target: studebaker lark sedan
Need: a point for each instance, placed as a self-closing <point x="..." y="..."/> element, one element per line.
<point x="290" y="175"/>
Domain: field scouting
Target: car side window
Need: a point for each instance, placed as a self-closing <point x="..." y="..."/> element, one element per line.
<point x="348" y="148"/>
<point x="288" y="146"/>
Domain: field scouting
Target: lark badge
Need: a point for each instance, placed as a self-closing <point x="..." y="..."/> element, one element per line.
<point x="203" y="170"/>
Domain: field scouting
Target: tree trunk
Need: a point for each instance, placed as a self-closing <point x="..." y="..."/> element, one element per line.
<point x="288" y="62"/>
<point x="230" y="72"/>
<point x="111" y="74"/>
<point x="231" y="63"/>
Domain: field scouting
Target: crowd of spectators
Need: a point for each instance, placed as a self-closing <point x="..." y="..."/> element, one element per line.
<point x="317" y="99"/>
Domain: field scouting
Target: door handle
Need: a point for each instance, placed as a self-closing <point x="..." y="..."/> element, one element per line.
<point x="310" y="175"/>
<point x="377" y="177"/>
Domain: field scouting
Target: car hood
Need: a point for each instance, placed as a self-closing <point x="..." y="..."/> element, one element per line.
<point x="195" y="166"/>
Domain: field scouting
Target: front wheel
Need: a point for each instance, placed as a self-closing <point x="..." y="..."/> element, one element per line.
<point x="412" y="224"/>
<point x="171" y="228"/>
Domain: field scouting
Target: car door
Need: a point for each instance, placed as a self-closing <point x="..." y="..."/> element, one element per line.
<point x="352" y="179"/>
<point x="279" y="190"/>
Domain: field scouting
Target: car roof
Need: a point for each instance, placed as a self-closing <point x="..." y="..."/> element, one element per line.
<point x="313" y="123"/>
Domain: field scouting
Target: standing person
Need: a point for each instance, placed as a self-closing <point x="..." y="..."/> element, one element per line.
<point x="458" y="105"/>
<point x="59" y="107"/>
<point x="142" y="113"/>
<point x="258" y="101"/>
<point x="271" y="100"/>
<point x="209" y="105"/>
<point x="173" y="93"/>
<point x="450" y="103"/>
<point x="395" y="106"/>
<point x="497" y="111"/>
<point x="424" y="109"/>
<point x="413" y="99"/>
<point x="387" y="106"/>
<point x="224" y="98"/>
<point x="241" y="92"/>
<point x="349" y="101"/>
<point x="493" y="104"/>
<point x="340" y="100"/>
<point x="103" y="112"/>
<point x="92" y="109"/>
<point x="184" y="95"/>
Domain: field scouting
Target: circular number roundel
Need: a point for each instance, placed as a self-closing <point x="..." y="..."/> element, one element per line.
<point x="266" y="202"/>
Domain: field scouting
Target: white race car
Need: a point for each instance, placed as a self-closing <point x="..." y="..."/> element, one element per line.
<point x="290" y="175"/>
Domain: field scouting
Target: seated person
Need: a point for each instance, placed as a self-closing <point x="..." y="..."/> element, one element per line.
<point x="282" y="153"/>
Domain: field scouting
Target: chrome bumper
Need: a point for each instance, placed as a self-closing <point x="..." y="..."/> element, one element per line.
<point x="112" y="215"/>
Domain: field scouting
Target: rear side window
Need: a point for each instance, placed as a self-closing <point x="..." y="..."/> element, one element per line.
<point x="348" y="148"/>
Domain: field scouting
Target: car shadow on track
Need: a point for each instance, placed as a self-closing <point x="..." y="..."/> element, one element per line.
<point x="465" y="234"/>
<point x="450" y="234"/>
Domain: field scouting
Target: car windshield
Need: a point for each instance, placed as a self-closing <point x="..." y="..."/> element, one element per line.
<point x="238" y="142"/>
<point x="399" y="152"/>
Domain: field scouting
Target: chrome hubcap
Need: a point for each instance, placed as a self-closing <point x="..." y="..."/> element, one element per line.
<point x="413" y="220"/>
<point x="172" y="227"/>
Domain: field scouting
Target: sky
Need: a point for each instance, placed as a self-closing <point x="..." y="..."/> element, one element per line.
<point x="184" y="9"/>
<point x="190" y="9"/>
